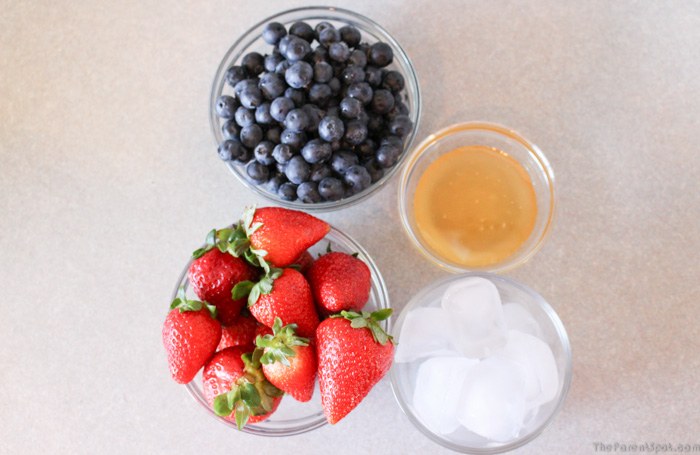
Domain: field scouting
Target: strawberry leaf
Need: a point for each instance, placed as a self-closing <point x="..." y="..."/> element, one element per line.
<point x="182" y="303"/>
<point x="250" y="395"/>
<point x="242" y="414"/>
<point x="221" y="405"/>
<point x="369" y="321"/>
<point x="241" y="289"/>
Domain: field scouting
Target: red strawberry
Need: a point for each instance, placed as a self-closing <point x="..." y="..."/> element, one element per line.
<point x="284" y="234"/>
<point x="262" y="330"/>
<point x="288" y="361"/>
<point x="235" y="387"/>
<point x="304" y="262"/>
<point x="190" y="336"/>
<point x="241" y="332"/>
<point x="339" y="282"/>
<point x="289" y="298"/>
<point x="213" y="275"/>
<point x="354" y="353"/>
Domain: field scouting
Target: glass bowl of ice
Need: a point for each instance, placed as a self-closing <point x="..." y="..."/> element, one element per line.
<point x="483" y="363"/>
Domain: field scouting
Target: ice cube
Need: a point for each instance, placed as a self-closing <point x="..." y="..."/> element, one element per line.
<point x="492" y="401"/>
<point x="517" y="317"/>
<point x="536" y="358"/>
<point x="439" y="382"/>
<point x="425" y="332"/>
<point x="475" y="314"/>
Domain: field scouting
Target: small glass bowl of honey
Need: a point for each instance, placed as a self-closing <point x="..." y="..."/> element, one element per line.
<point x="477" y="196"/>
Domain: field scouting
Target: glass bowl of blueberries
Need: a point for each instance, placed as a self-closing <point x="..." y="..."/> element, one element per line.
<point x="314" y="108"/>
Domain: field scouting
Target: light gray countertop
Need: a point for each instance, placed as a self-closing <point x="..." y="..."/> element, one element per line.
<point x="109" y="179"/>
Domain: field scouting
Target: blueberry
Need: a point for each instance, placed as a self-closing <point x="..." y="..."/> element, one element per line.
<point x="352" y="74"/>
<point x="296" y="120"/>
<point x="350" y="107"/>
<point x="231" y="130"/>
<point x="331" y="129"/>
<point x="328" y="35"/>
<point x="299" y="75"/>
<point x="287" y="191"/>
<point x="226" y="106"/>
<point x="263" y="153"/>
<point x="244" y="85"/>
<point x="316" y="151"/>
<point x="251" y="135"/>
<point x="281" y="168"/>
<point x="283" y="43"/>
<point x="244" y="117"/>
<point x="320" y="171"/>
<point x="357" y="178"/>
<point x="297" y="170"/>
<point x="254" y="63"/>
<point x="393" y="80"/>
<point x="251" y="97"/>
<point x="318" y="55"/>
<point x="272" y="85"/>
<point x="350" y="35"/>
<point x="375" y="124"/>
<point x="342" y="160"/>
<point x="363" y="117"/>
<point x="400" y="126"/>
<point x="366" y="149"/>
<point x="364" y="47"/>
<point x="319" y="94"/>
<point x="273" y="134"/>
<point x="357" y="58"/>
<point x="333" y="111"/>
<point x="355" y="132"/>
<point x="296" y="49"/>
<point x="302" y="30"/>
<point x="322" y="26"/>
<point x="399" y="109"/>
<point x="392" y="140"/>
<point x="282" y="67"/>
<point x="339" y="51"/>
<point x="380" y="54"/>
<point x="323" y="72"/>
<point x="280" y="107"/>
<point x="276" y="180"/>
<point x="282" y="153"/>
<point x="387" y="155"/>
<point x="335" y="86"/>
<point x="235" y="74"/>
<point x="382" y="101"/>
<point x="295" y="139"/>
<point x="233" y="150"/>
<point x="272" y="60"/>
<point x="315" y="115"/>
<point x="373" y="76"/>
<point x="296" y="95"/>
<point x="262" y="114"/>
<point x="258" y="173"/>
<point x="331" y="189"/>
<point x="375" y="170"/>
<point x="308" y="192"/>
<point x="273" y="32"/>
<point x="360" y="91"/>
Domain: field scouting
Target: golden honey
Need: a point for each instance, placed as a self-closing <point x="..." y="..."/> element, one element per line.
<point x="475" y="206"/>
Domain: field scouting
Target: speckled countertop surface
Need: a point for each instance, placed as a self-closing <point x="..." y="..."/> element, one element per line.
<point x="109" y="178"/>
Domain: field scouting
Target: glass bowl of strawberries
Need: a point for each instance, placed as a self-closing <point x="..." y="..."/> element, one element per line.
<point x="278" y="301"/>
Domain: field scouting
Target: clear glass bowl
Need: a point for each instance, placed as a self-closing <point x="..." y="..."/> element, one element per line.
<point x="371" y="32"/>
<point x="293" y="417"/>
<point x="492" y="135"/>
<point x="554" y="334"/>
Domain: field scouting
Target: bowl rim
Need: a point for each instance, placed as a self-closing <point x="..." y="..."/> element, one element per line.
<point x="246" y="40"/>
<point x="533" y="150"/>
<point x="383" y="301"/>
<point x="562" y="337"/>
